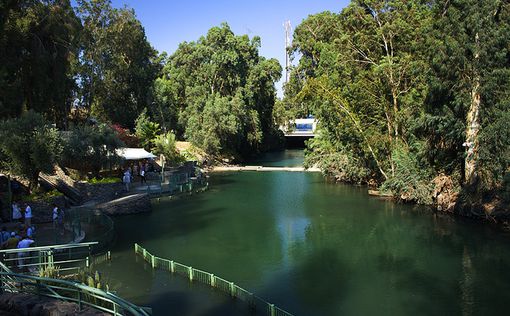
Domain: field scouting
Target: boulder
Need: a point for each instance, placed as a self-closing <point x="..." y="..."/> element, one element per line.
<point x="30" y="304"/>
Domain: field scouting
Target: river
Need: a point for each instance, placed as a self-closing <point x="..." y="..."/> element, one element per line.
<point x="312" y="248"/>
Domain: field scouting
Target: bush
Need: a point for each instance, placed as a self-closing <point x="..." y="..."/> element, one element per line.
<point x="165" y="145"/>
<point x="338" y="163"/>
<point x="104" y="180"/>
<point x="411" y="182"/>
<point x="42" y="196"/>
<point x="90" y="148"/>
<point x="29" y="145"/>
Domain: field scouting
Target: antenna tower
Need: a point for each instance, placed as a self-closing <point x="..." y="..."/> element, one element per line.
<point x="288" y="42"/>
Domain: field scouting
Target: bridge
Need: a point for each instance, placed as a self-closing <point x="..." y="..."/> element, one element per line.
<point x="304" y="127"/>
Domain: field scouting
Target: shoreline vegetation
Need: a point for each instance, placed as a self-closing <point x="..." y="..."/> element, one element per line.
<point x="411" y="97"/>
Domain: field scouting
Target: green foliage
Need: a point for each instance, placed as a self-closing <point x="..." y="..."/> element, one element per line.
<point x="146" y="130"/>
<point x="411" y="183"/>
<point x="50" y="271"/>
<point x="164" y="144"/>
<point x="90" y="148"/>
<point x="29" y="145"/>
<point x="336" y="162"/>
<point x="103" y="180"/>
<point x="116" y="70"/>
<point x="42" y="196"/>
<point x="92" y="278"/>
<point x="391" y="83"/>
<point x="38" y="45"/>
<point x="361" y="76"/>
<point x="221" y="92"/>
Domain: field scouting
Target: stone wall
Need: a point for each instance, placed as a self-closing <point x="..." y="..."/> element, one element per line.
<point x="131" y="204"/>
<point x="100" y="192"/>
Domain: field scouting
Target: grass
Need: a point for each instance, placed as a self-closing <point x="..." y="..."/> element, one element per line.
<point x="104" y="180"/>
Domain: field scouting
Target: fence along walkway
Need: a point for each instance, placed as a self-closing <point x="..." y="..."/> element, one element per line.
<point x="214" y="281"/>
<point x="68" y="291"/>
<point x="69" y="258"/>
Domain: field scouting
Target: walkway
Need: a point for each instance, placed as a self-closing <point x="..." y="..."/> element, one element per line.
<point x="262" y="168"/>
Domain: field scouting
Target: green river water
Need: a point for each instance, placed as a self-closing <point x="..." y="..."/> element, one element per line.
<point x="312" y="248"/>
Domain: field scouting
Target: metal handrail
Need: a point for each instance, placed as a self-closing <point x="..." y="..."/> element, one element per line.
<point x="66" y="256"/>
<point x="63" y="290"/>
<point x="52" y="247"/>
<point x="210" y="279"/>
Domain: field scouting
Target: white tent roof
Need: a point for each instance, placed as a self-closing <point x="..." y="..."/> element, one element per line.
<point x="134" y="153"/>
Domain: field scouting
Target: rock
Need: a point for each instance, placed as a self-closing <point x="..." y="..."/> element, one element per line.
<point x="30" y="304"/>
<point x="131" y="204"/>
<point x="445" y="193"/>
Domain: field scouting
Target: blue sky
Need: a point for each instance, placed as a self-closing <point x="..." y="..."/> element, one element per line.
<point x="168" y="23"/>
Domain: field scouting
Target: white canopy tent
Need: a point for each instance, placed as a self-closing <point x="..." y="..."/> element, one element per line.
<point x="134" y="153"/>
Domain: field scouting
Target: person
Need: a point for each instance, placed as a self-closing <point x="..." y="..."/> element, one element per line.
<point x="28" y="215"/>
<point x="142" y="176"/>
<point x="16" y="212"/>
<point x="4" y="235"/>
<point x="54" y="215"/>
<point x="30" y="232"/>
<point x="24" y="243"/>
<point x="12" y="242"/>
<point x="22" y="231"/>
<point x="127" y="179"/>
<point x="60" y="222"/>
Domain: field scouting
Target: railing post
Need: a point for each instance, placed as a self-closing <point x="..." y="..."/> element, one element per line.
<point x="172" y="266"/>
<point x="87" y="263"/>
<point x="190" y="270"/>
<point x="213" y="280"/>
<point x="271" y="310"/>
<point x="109" y="255"/>
<point x="50" y="258"/>
<point x="152" y="262"/>
<point x="232" y="291"/>
<point x="38" y="286"/>
<point x="79" y="301"/>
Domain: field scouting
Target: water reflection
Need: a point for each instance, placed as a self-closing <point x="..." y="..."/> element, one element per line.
<point x="317" y="248"/>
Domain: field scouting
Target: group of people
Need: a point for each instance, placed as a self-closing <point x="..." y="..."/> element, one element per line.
<point x="19" y="239"/>
<point x="12" y="239"/>
<point x="22" y="213"/>
<point x="137" y="169"/>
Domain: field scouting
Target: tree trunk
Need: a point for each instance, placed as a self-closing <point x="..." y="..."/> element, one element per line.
<point x="473" y="128"/>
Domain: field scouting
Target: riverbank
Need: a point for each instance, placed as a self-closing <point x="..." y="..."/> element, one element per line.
<point x="262" y="169"/>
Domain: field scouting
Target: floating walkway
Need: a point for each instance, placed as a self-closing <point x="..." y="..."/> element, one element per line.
<point x="262" y="168"/>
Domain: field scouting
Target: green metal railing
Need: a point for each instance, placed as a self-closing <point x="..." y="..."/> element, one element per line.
<point x="196" y="275"/>
<point x="172" y="183"/>
<point x="68" y="291"/>
<point x="68" y="257"/>
<point x="93" y="224"/>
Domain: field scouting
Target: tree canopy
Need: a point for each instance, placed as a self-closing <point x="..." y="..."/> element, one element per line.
<point x="405" y="91"/>
<point x="221" y="92"/>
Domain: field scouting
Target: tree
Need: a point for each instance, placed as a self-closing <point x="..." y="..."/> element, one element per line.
<point x="39" y="46"/>
<point x="146" y="130"/>
<point x="164" y="144"/>
<point x="467" y="106"/>
<point x="117" y="64"/>
<point x="222" y="92"/>
<point x="362" y="76"/>
<point x="91" y="148"/>
<point x="30" y="146"/>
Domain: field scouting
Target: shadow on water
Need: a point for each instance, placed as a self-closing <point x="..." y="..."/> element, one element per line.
<point x="140" y="228"/>
<point x="320" y="282"/>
